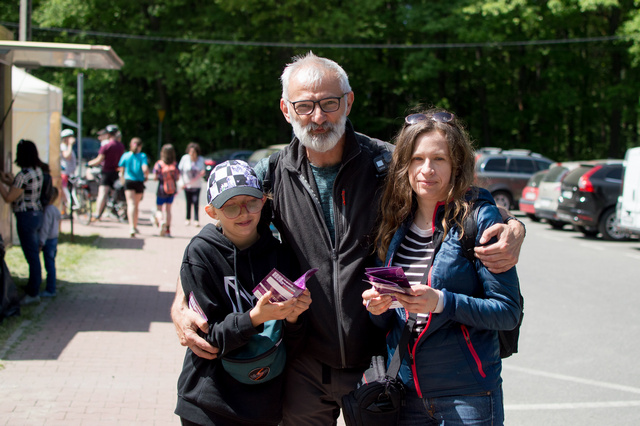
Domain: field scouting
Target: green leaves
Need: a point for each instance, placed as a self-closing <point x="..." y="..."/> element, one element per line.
<point x="505" y="66"/>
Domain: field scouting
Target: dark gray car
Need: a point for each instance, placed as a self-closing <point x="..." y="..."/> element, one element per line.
<point x="505" y="173"/>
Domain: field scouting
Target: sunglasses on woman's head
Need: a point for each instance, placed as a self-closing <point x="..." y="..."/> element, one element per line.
<point x="438" y="117"/>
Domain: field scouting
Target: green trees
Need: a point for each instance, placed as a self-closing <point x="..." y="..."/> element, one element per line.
<point x="558" y="77"/>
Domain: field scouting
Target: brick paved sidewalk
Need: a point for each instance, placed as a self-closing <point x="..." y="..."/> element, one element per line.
<point x="104" y="351"/>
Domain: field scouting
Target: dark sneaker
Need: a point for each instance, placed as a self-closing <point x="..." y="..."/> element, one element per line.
<point x="47" y="294"/>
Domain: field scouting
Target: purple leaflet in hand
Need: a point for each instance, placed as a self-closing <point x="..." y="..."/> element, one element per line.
<point x="282" y="288"/>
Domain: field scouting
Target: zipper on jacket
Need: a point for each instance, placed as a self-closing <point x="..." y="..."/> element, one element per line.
<point x="334" y="261"/>
<point x="467" y="338"/>
<point x="338" y="224"/>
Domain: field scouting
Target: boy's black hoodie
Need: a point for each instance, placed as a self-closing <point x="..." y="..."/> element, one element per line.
<point x="211" y="263"/>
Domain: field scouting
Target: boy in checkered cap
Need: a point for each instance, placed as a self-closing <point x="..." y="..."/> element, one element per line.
<point x="220" y="268"/>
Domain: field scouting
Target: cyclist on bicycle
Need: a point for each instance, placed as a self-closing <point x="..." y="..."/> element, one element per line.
<point x="108" y="157"/>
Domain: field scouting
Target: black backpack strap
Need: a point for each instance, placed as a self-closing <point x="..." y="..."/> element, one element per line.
<point x="470" y="225"/>
<point x="267" y="182"/>
<point x="379" y="151"/>
<point x="267" y="187"/>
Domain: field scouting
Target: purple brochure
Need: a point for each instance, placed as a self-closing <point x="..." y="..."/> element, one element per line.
<point x="388" y="280"/>
<point x="194" y="306"/>
<point x="282" y="288"/>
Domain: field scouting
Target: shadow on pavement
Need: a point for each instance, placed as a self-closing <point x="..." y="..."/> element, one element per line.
<point x="120" y="243"/>
<point x="91" y="307"/>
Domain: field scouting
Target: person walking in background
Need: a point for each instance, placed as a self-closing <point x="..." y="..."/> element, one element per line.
<point x="24" y="196"/>
<point x="108" y="157"/>
<point x="68" y="163"/>
<point x="191" y="168"/>
<point x="167" y="174"/>
<point x="49" y="243"/>
<point x="134" y="167"/>
<point x="454" y="373"/>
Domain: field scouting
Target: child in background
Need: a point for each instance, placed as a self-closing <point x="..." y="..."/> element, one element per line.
<point x="167" y="174"/>
<point x="49" y="243"/>
<point x="220" y="267"/>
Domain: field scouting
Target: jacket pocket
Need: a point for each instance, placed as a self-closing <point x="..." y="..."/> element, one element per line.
<point x="472" y="350"/>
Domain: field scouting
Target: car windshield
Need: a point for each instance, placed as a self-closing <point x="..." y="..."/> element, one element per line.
<point x="574" y="176"/>
<point x="535" y="180"/>
<point x="555" y="174"/>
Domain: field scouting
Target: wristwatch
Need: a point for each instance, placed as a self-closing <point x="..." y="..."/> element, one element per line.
<point x="510" y="218"/>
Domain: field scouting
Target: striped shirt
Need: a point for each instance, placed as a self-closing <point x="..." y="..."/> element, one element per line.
<point x="413" y="256"/>
<point x="30" y="181"/>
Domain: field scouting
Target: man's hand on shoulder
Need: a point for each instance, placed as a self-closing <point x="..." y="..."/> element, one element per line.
<point x="504" y="253"/>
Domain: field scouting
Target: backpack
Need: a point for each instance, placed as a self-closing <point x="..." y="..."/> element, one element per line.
<point x="508" y="338"/>
<point x="168" y="172"/>
<point x="46" y="192"/>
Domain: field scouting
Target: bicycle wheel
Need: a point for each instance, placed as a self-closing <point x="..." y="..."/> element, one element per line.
<point x="83" y="213"/>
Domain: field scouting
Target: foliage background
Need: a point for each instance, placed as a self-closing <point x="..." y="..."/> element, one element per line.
<point x="489" y="61"/>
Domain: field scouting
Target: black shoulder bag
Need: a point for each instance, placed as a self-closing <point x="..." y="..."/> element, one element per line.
<point x="380" y="394"/>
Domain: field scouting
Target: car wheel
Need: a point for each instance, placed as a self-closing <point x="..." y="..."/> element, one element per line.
<point x="609" y="229"/>
<point x="533" y="217"/>
<point x="502" y="199"/>
<point x="556" y="224"/>
<point x="587" y="232"/>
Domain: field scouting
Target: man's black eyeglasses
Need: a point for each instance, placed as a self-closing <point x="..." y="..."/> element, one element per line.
<point x="331" y="104"/>
<point x="439" y="117"/>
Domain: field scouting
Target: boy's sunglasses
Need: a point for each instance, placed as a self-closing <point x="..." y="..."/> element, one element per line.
<point x="234" y="210"/>
<point x="439" y="117"/>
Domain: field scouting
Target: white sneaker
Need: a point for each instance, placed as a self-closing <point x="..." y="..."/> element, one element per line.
<point x="196" y="224"/>
<point x="187" y="223"/>
<point x="163" y="230"/>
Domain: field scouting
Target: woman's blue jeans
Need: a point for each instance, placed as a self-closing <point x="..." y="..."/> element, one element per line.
<point x="484" y="409"/>
<point x="28" y="224"/>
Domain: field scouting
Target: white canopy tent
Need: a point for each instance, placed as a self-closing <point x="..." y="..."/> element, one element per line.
<point x="37" y="111"/>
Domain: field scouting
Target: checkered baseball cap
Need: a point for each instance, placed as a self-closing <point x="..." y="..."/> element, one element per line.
<point x="231" y="178"/>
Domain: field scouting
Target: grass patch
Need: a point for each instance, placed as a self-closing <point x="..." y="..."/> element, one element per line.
<point x="73" y="261"/>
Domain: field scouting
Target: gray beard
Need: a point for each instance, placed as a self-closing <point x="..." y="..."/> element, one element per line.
<point x="323" y="142"/>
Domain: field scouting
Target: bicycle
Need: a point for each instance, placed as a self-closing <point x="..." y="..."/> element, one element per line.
<point x="82" y="198"/>
<point x="116" y="202"/>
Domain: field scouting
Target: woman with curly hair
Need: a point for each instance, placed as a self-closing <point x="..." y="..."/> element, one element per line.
<point x="459" y="305"/>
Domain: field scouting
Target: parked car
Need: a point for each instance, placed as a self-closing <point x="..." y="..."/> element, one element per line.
<point x="505" y="173"/>
<point x="259" y="154"/>
<point x="549" y="191"/>
<point x="588" y="199"/>
<point x="90" y="148"/>
<point x="628" y="207"/>
<point x="221" y="156"/>
<point x="530" y="194"/>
